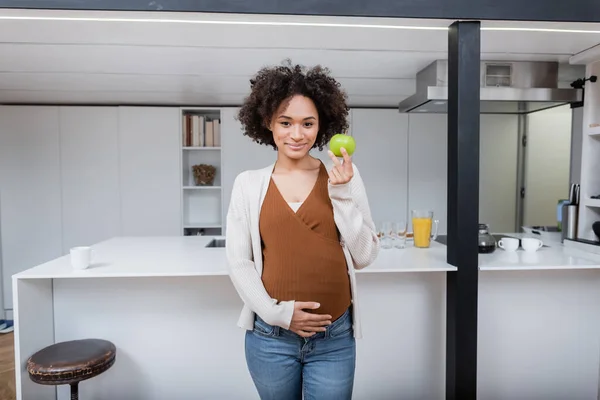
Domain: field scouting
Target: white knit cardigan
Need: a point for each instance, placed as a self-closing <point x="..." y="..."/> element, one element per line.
<point x="243" y="243"/>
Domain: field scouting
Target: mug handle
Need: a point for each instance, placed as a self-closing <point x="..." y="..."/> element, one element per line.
<point x="436" y="222"/>
<point x="501" y="244"/>
<point x="540" y="244"/>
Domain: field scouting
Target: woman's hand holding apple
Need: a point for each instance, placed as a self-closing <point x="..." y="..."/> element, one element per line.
<point x="341" y="173"/>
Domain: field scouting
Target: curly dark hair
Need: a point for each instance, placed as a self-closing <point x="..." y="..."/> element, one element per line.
<point x="273" y="85"/>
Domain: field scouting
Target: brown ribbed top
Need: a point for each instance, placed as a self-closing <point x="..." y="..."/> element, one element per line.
<point x="303" y="259"/>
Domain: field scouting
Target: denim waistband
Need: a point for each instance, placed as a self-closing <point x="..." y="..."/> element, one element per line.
<point x="338" y="327"/>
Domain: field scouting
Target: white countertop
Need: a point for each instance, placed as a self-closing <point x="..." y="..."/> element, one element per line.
<point x="554" y="256"/>
<point x="545" y="258"/>
<point x="187" y="256"/>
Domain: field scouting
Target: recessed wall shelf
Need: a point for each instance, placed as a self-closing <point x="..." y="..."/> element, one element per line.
<point x="201" y="144"/>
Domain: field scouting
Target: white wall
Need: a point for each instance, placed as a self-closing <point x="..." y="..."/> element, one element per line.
<point x="547" y="169"/>
<point x="428" y="168"/>
<point x="382" y="157"/>
<point x="499" y="144"/>
<point x="427" y="165"/>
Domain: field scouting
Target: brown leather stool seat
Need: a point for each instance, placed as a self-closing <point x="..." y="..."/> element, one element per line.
<point x="68" y="363"/>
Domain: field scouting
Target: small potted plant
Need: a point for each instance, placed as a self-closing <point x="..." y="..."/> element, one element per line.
<point x="204" y="174"/>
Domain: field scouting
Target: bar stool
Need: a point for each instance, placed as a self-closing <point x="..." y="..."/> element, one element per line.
<point x="68" y="363"/>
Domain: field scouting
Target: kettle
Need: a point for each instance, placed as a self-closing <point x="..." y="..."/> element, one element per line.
<point x="487" y="242"/>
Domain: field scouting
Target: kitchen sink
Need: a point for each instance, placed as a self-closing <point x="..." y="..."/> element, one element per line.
<point x="216" y="243"/>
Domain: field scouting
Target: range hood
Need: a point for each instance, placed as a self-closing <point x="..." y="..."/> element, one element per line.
<point x="519" y="87"/>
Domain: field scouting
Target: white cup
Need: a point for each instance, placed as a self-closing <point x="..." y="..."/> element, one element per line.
<point x="531" y="244"/>
<point x="81" y="257"/>
<point x="509" y="244"/>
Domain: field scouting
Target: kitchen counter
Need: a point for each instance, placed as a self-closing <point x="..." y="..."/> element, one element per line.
<point x="553" y="256"/>
<point x="538" y="325"/>
<point x="170" y="308"/>
<point x="189" y="256"/>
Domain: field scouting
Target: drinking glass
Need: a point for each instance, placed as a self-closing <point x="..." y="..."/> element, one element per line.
<point x="400" y="229"/>
<point x="422" y="222"/>
<point x="385" y="234"/>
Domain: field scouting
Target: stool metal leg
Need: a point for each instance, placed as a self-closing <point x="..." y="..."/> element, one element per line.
<point x="75" y="391"/>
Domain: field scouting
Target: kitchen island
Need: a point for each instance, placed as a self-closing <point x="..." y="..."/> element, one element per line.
<point x="171" y="310"/>
<point x="538" y="324"/>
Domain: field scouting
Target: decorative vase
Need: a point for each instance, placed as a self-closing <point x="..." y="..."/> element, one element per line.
<point x="204" y="174"/>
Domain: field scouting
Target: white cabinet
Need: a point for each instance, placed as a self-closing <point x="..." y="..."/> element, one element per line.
<point x="30" y="190"/>
<point x="90" y="174"/>
<point x="149" y="171"/>
<point x="382" y="157"/>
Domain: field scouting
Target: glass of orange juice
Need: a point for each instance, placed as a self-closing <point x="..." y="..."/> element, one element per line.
<point x="422" y="222"/>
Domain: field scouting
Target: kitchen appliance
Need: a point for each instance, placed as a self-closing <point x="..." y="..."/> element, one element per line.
<point x="487" y="242"/>
<point x="570" y="213"/>
<point x="507" y="87"/>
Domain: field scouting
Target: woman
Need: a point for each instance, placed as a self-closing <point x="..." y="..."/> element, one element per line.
<point x="296" y="231"/>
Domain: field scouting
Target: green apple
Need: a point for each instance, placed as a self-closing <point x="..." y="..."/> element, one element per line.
<point x="341" y="140"/>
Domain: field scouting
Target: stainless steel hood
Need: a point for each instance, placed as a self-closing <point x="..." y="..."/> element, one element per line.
<point x="507" y="87"/>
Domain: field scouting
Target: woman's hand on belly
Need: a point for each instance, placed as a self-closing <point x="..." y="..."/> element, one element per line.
<point x="307" y="324"/>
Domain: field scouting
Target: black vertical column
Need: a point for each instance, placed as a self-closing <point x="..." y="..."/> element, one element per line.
<point x="463" y="209"/>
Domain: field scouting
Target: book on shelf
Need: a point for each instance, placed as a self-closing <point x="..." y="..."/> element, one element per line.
<point x="201" y="131"/>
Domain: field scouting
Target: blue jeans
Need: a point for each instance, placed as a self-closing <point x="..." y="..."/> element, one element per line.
<point x="284" y="365"/>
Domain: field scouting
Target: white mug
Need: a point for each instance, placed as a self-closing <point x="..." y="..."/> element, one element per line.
<point x="81" y="257"/>
<point x="531" y="244"/>
<point x="509" y="244"/>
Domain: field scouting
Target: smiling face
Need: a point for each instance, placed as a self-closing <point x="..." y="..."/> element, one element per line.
<point x="295" y="127"/>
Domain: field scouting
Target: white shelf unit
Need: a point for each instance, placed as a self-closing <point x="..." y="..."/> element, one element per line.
<point x="201" y="206"/>
<point x="589" y="211"/>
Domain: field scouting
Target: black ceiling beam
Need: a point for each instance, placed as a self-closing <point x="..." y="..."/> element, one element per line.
<point x="530" y="10"/>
